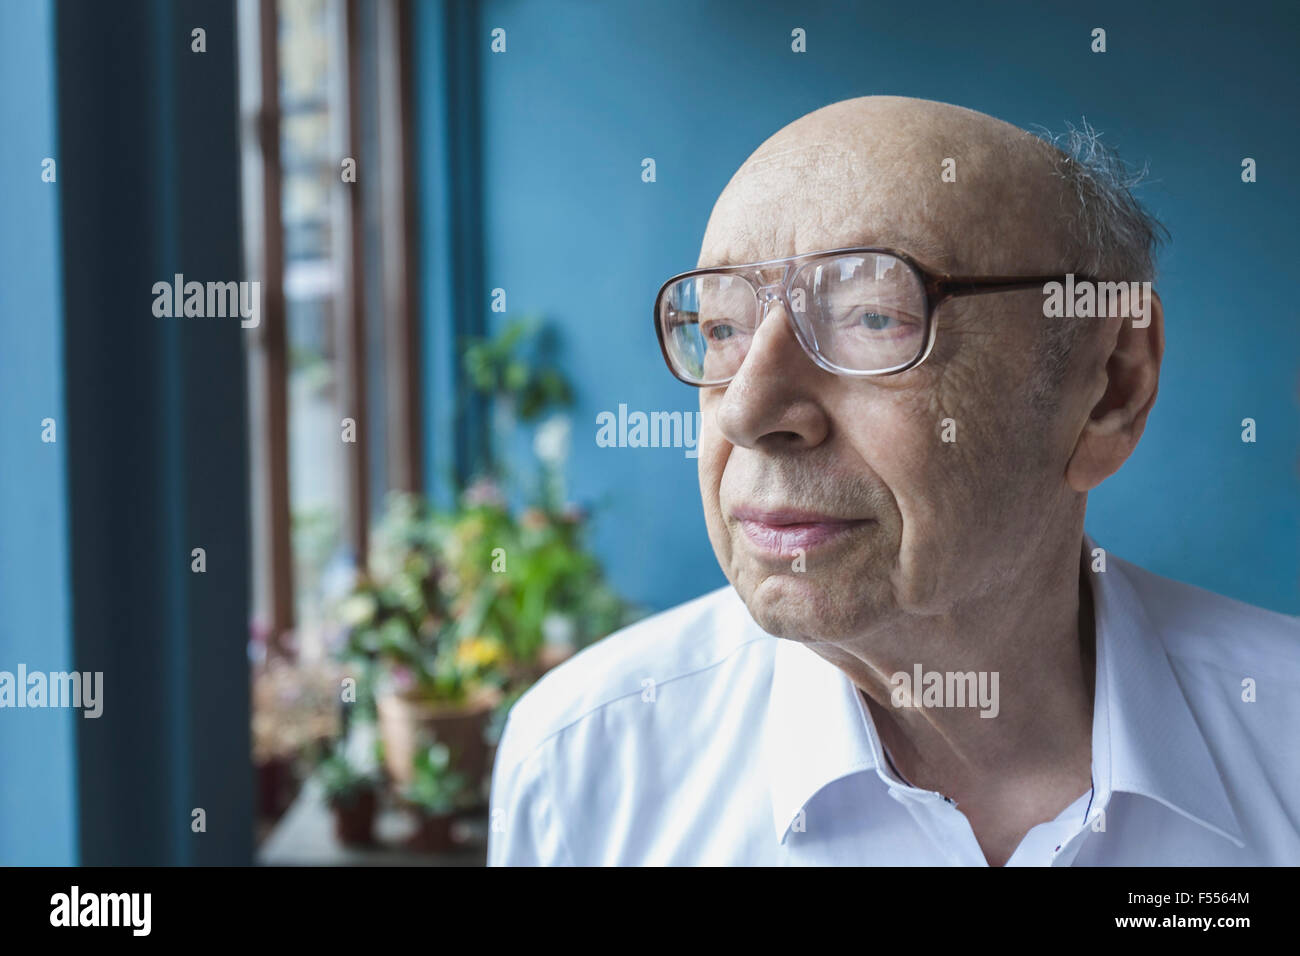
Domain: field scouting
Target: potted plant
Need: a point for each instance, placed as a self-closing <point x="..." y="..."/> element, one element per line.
<point x="353" y="797"/>
<point x="428" y="681"/>
<point x="461" y="607"/>
<point x="295" y="714"/>
<point x="350" y="780"/>
<point x="435" y="792"/>
<point x="449" y="700"/>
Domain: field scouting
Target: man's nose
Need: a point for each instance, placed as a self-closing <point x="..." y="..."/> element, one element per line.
<point x="773" y="399"/>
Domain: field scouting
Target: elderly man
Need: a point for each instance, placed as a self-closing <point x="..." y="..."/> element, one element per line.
<point x="921" y="658"/>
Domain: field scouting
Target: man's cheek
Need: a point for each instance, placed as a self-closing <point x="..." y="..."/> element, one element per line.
<point x="711" y="464"/>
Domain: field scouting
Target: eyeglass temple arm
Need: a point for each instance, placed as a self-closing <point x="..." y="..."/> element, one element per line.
<point x="939" y="289"/>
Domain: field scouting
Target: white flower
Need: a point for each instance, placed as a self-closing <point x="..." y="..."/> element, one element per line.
<point x="359" y="749"/>
<point x="358" y="609"/>
<point x="551" y="443"/>
<point x="439" y="754"/>
<point x="558" y="629"/>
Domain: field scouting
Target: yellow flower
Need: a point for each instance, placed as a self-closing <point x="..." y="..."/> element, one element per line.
<point x="479" y="653"/>
<point x="471" y="529"/>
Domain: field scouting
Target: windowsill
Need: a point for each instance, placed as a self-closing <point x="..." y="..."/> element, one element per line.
<point x="305" y="837"/>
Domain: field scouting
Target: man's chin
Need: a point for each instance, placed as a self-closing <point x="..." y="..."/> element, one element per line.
<point x="802" y="607"/>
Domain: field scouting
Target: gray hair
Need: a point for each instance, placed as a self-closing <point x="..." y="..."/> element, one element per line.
<point x="1111" y="234"/>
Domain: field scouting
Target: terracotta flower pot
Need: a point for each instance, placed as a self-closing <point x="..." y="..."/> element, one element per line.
<point x="354" y="822"/>
<point x="434" y="834"/>
<point x="274" y="787"/>
<point x="404" y="720"/>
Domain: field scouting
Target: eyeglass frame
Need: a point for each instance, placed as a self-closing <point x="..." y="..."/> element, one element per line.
<point x="938" y="287"/>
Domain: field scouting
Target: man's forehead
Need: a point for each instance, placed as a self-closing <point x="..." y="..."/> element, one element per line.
<point x="765" y="214"/>
<point x="927" y="249"/>
<point x="991" y="212"/>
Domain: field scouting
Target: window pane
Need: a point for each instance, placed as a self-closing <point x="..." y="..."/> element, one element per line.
<point x="308" y="130"/>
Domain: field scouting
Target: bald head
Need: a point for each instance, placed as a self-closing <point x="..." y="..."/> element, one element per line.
<point x="870" y="171"/>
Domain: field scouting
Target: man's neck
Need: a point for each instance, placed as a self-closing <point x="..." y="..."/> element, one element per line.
<point x="1033" y="759"/>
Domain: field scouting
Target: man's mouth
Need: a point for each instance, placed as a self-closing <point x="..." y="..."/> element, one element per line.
<point x="782" y="532"/>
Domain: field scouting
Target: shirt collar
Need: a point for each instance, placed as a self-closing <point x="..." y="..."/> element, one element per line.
<point x="1145" y="739"/>
<point x="816" y="730"/>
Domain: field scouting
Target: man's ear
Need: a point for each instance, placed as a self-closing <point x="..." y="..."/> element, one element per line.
<point x="1130" y="376"/>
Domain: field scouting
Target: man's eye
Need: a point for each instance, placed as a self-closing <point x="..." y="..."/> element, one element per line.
<point x="718" y="331"/>
<point x="876" y="321"/>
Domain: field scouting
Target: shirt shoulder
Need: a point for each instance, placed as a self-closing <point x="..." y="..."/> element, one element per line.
<point x="1237" y="667"/>
<point x="1201" y="627"/>
<point x="680" y="641"/>
<point x="552" y="802"/>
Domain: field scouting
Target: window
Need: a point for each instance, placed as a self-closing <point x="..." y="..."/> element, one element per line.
<point x="333" y="376"/>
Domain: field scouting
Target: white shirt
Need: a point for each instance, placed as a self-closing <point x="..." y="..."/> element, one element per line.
<point x="693" y="737"/>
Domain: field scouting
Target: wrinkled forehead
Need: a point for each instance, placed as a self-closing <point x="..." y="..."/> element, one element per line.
<point x="956" y="207"/>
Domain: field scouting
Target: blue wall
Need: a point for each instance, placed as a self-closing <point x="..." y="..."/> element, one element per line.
<point x="37" y="769"/>
<point x="585" y="91"/>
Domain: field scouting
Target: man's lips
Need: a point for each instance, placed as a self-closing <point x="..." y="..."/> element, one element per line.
<point x="784" y="531"/>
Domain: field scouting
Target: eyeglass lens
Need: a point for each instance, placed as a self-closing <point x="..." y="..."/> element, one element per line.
<point x="860" y="312"/>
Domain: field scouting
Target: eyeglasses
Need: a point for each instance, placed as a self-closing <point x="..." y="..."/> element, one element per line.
<point x="856" y="312"/>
